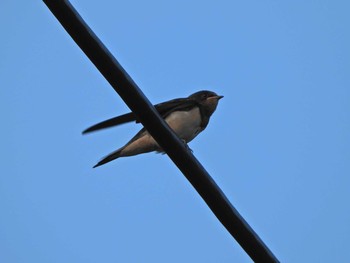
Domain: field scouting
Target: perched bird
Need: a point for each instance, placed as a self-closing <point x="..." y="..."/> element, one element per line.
<point x="186" y="116"/>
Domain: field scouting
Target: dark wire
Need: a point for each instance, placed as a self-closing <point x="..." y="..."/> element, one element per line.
<point x="172" y="145"/>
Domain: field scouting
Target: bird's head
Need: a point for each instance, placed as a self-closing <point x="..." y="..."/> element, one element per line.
<point x="208" y="99"/>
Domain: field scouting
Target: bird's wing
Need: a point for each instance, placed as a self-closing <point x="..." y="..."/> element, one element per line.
<point x="111" y="122"/>
<point x="170" y="106"/>
<point x="164" y="109"/>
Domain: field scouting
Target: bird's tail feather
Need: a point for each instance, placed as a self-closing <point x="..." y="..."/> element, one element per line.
<point x="110" y="157"/>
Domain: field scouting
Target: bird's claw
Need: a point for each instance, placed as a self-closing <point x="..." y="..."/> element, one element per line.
<point x="186" y="145"/>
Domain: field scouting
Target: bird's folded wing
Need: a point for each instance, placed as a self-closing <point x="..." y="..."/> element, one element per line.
<point x="111" y="122"/>
<point x="164" y="110"/>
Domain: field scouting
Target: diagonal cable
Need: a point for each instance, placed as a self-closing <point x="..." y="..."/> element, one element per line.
<point x="167" y="139"/>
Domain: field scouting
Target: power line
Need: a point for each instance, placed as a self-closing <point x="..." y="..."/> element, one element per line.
<point x="166" y="138"/>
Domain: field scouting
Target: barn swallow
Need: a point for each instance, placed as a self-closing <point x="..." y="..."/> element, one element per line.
<point x="186" y="116"/>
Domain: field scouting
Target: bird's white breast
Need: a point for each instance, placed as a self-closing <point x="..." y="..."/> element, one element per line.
<point x="186" y="124"/>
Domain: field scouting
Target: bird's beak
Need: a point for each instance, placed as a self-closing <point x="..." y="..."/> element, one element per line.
<point x="217" y="97"/>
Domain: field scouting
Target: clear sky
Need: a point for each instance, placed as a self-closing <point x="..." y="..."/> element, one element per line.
<point x="278" y="144"/>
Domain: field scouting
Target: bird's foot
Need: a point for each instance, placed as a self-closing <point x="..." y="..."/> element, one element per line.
<point x="186" y="145"/>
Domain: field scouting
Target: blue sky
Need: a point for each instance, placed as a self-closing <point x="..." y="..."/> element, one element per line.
<point x="278" y="144"/>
